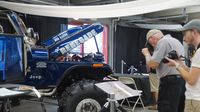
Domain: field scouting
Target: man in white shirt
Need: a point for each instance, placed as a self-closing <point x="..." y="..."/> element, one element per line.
<point x="191" y="32"/>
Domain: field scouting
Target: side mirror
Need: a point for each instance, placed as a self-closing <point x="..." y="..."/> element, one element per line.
<point x="1" y="29"/>
<point x="30" y="32"/>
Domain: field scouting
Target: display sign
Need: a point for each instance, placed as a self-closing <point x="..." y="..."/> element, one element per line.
<point x="120" y="90"/>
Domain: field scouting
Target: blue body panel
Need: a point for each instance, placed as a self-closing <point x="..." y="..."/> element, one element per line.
<point x="11" y="59"/>
<point x="61" y="36"/>
<point x="74" y="40"/>
<point x="46" y="73"/>
<point x="39" y="54"/>
<point x="49" y="73"/>
<point x="2" y="59"/>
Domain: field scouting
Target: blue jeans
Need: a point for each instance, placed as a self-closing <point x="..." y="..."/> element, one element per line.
<point x="171" y="93"/>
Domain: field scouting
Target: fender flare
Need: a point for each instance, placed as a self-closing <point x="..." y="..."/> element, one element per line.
<point x="69" y="74"/>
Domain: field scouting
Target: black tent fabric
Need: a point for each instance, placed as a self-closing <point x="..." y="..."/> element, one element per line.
<point x="128" y="43"/>
<point x="47" y="27"/>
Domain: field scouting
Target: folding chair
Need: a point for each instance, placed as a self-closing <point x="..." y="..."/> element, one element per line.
<point x="129" y="80"/>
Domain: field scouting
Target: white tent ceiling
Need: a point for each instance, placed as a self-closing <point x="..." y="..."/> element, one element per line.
<point x="100" y="11"/>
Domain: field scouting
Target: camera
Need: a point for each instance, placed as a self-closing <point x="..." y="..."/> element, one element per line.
<point x="172" y="55"/>
<point x="150" y="48"/>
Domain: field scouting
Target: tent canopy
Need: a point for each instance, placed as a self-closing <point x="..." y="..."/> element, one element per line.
<point x="100" y="11"/>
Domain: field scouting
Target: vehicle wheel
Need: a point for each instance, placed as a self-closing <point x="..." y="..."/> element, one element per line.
<point x="82" y="96"/>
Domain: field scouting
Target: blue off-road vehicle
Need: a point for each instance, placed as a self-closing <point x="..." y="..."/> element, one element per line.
<point x="52" y="67"/>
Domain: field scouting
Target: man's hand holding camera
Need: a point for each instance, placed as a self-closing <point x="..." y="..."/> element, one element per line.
<point x="173" y="59"/>
<point x="145" y="51"/>
<point x="176" y="63"/>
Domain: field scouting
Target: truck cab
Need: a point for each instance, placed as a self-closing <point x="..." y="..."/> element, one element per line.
<point x="52" y="65"/>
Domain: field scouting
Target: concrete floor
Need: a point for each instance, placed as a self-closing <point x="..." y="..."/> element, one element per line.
<point x="51" y="106"/>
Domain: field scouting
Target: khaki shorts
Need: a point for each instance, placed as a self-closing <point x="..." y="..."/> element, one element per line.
<point x="154" y="82"/>
<point x="192" y="105"/>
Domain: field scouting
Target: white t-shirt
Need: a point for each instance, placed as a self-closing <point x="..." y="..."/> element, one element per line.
<point x="193" y="92"/>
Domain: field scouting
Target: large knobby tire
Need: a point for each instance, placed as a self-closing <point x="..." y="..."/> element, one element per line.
<point x="82" y="96"/>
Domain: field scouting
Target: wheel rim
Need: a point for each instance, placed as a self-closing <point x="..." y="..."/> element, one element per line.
<point x="88" y="105"/>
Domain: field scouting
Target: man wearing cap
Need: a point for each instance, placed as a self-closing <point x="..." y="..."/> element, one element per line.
<point x="191" y="32"/>
<point x="171" y="87"/>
